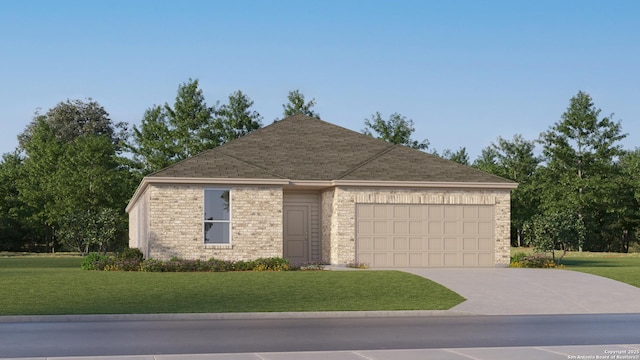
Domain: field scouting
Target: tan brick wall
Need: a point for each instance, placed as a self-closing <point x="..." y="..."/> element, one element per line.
<point x="139" y="224"/>
<point x="176" y="223"/>
<point x="341" y="214"/>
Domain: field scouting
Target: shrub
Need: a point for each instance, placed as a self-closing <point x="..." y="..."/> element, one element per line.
<point x="130" y="253"/>
<point x="93" y="261"/>
<point x="270" y="264"/>
<point x="522" y="260"/>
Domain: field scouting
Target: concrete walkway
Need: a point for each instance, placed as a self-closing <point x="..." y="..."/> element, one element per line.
<point x="509" y="291"/>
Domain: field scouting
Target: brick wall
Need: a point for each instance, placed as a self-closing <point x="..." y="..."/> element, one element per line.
<point x="341" y="214"/>
<point x="176" y="223"/>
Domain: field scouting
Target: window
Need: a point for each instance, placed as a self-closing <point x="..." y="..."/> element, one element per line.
<point x="216" y="216"/>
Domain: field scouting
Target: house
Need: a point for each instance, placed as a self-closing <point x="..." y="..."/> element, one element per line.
<point x="311" y="191"/>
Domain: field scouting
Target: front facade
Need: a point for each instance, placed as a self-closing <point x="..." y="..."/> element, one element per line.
<point x="372" y="209"/>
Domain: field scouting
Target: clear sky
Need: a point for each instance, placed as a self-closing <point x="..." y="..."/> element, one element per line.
<point x="466" y="72"/>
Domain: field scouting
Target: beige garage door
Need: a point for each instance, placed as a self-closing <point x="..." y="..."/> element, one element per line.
<point x="425" y="235"/>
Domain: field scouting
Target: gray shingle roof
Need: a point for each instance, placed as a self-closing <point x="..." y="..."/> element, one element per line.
<point x="305" y="148"/>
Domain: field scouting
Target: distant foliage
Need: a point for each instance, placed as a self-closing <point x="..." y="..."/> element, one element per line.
<point x="397" y="130"/>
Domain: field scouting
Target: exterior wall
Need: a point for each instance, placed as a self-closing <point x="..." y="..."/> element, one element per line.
<point x="340" y="215"/>
<point x="326" y="205"/>
<point x="176" y="223"/>
<point x="139" y="224"/>
<point x="311" y="199"/>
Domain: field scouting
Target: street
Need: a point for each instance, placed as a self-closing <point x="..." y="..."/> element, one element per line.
<point x="109" y="338"/>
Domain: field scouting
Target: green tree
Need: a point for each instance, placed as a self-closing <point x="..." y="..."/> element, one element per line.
<point x="515" y="160"/>
<point x="580" y="151"/>
<point x="86" y="231"/>
<point x="460" y="156"/>
<point x="236" y="119"/>
<point x="552" y="231"/>
<point x="14" y="234"/>
<point x="397" y="130"/>
<point x="297" y="105"/>
<point x="73" y="118"/>
<point x="169" y="134"/>
<point x="64" y="173"/>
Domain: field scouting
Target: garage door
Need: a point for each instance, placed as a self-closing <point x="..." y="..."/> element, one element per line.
<point x="425" y="235"/>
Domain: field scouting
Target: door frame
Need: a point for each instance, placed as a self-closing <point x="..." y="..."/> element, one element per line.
<point x="307" y="226"/>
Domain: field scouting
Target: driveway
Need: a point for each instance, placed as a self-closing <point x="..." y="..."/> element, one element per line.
<point x="509" y="291"/>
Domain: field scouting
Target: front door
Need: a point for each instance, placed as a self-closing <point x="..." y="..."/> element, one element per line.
<point x="296" y="233"/>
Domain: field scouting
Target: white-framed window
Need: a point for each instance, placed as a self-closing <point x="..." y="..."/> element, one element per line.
<point x="217" y="216"/>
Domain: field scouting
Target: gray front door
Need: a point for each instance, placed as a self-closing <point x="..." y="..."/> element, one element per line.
<point x="296" y="233"/>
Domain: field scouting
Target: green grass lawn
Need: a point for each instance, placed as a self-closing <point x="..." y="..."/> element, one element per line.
<point x="56" y="285"/>
<point x="621" y="267"/>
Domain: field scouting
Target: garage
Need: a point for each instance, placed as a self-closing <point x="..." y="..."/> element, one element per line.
<point x="418" y="235"/>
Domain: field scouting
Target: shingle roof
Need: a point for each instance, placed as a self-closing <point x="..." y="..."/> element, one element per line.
<point x="304" y="148"/>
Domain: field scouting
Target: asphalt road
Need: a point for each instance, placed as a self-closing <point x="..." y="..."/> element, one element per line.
<point x="57" y="339"/>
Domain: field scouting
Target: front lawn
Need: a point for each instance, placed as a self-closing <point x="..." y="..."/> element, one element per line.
<point x="617" y="266"/>
<point x="56" y="285"/>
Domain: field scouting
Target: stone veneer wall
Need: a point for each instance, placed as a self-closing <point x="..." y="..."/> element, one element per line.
<point x="176" y="223"/>
<point x="339" y="215"/>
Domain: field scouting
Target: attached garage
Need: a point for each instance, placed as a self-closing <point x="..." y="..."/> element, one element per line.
<point x="417" y="235"/>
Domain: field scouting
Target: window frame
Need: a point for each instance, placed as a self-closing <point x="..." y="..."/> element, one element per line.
<point x="205" y="221"/>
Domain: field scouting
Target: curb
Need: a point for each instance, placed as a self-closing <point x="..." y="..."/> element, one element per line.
<point x="230" y="316"/>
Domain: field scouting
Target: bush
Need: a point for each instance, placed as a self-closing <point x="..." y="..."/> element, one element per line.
<point x="522" y="260"/>
<point x="130" y="253"/>
<point x="270" y="264"/>
<point x="93" y="261"/>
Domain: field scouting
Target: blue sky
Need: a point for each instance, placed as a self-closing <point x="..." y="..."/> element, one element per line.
<point x="466" y="72"/>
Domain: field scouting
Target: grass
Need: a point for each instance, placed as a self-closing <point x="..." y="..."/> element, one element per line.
<point x="617" y="266"/>
<point x="56" y="286"/>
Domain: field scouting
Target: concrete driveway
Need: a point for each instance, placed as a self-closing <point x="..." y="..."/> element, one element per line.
<point x="509" y="291"/>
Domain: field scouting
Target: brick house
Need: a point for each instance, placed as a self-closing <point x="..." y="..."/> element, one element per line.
<point x="311" y="191"/>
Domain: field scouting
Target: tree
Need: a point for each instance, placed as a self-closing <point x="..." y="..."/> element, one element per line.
<point x="86" y="231"/>
<point x="548" y="232"/>
<point x="170" y="134"/>
<point x="460" y="156"/>
<point x="13" y="230"/>
<point x="397" y="130"/>
<point x="236" y="118"/>
<point x="74" y="118"/>
<point x="67" y="171"/>
<point x="297" y="105"/>
<point x="515" y="160"/>
<point x="580" y="151"/>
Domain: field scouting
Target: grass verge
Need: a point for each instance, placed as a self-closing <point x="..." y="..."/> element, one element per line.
<point x="617" y="266"/>
<point x="57" y="286"/>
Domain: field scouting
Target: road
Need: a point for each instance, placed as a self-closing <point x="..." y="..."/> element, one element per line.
<point x="57" y="339"/>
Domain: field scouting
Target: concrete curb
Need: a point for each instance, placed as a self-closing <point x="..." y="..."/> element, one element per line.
<point x="230" y="316"/>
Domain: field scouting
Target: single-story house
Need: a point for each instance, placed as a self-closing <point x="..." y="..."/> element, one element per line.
<point x="310" y="191"/>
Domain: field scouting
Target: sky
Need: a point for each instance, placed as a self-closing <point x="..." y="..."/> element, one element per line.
<point x="465" y="72"/>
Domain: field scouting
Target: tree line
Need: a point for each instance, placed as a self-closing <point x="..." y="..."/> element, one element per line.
<point x="67" y="183"/>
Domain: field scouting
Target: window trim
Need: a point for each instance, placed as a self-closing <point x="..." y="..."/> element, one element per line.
<point x="228" y="244"/>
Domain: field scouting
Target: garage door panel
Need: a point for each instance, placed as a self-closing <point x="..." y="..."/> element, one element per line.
<point x="416" y="227"/>
<point x="469" y="260"/>
<point x="450" y="243"/>
<point x="419" y="235"/>
<point x="435" y="228"/>
<point x="400" y="243"/>
<point x="485" y="228"/>
<point x="435" y="260"/>
<point x="450" y="260"/>
<point x="470" y="244"/>
<point x="485" y="244"/>
<point x="416" y="244"/>
<point x="450" y="228"/>
<point x="435" y="244"/>
<point x="400" y="227"/>
<point x="470" y="227"/>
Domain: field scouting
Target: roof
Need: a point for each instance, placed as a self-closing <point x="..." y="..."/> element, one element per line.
<point x="305" y="148"/>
